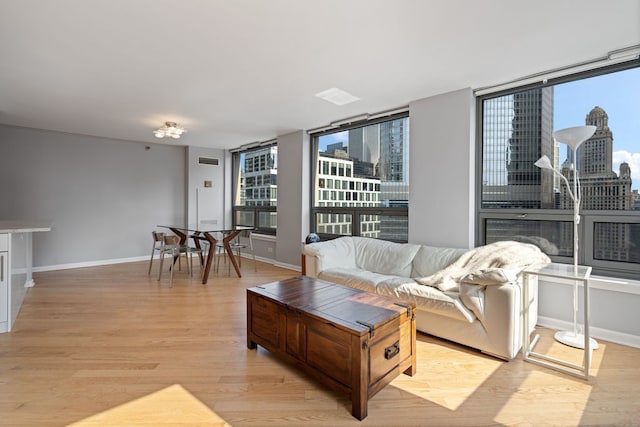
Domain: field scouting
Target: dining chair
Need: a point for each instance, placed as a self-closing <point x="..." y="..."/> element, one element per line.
<point x="158" y="242"/>
<point x="237" y="245"/>
<point x="171" y="246"/>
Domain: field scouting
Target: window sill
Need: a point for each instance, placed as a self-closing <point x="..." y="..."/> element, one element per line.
<point x="612" y="284"/>
<point x="627" y="286"/>
<point x="263" y="237"/>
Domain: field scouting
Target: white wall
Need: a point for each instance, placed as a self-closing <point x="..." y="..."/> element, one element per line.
<point x="103" y="196"/>
<point x="441" y="211"/>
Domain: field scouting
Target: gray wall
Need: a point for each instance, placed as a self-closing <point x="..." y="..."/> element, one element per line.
<point x="441" y="211"/>
<point x="293" y="196"/>
<point x="103" y="196"/>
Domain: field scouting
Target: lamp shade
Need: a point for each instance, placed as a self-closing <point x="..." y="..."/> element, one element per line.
<point x="574" y="136"/>
<point x="544" y="163"/>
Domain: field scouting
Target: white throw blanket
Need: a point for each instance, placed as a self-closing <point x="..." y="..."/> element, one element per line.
<point x="506" y="255"/>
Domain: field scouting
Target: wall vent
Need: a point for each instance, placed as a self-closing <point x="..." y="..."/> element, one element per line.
<point x="208" y="161"/>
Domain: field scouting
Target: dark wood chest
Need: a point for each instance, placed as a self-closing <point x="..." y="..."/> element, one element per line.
<point x="353" y="341"/>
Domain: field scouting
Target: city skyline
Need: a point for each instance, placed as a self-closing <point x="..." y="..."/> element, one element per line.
<point x="619" y="95"/>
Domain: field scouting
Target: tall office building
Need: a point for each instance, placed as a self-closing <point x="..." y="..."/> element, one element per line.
<point x="532" y="127"/>
<point x="517" y="131"/>
<point x="602" y="189"/>
<point x="393" y="170"/>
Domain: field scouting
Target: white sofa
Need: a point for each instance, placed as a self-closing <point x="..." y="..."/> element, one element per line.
<point x="477" y="311"/>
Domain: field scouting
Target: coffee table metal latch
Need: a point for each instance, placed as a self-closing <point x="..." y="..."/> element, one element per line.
<point x="408" y="307"/>
<point x="372" y="328"/>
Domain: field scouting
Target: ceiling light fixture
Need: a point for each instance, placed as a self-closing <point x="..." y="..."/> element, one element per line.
<point x="337" y="96"/>
<point x="169" y="129"/>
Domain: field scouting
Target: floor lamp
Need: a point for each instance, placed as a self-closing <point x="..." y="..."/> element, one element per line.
<point x="573" y="137"/>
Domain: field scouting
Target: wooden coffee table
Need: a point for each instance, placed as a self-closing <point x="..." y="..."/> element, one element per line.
<point x="353" y="341"/>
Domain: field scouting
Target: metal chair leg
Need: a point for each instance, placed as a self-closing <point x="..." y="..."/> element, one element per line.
<point x="153" y="251"/>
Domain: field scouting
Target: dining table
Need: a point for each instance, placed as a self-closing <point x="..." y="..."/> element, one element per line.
<point x="207" y="232"/>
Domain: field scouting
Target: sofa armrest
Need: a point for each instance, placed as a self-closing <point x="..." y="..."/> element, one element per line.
<point x="334" y="253"/>
<point x="311" y="265"/>
<point x="503" y="314"/>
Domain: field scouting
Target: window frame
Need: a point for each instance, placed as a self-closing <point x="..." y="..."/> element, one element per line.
<point x="357" y="212"/>
<point x="257" y="211"/>
<point x="586" y="238"/>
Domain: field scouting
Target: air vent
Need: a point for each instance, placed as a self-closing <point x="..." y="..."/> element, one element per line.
<point x="207" y="161"/>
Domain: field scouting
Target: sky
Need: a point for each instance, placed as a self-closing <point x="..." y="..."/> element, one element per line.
<point x="332" y="138"/>
<point x="618" y="94"/>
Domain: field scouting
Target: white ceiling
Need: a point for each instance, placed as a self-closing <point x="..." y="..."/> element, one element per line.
<point x="238" y="71"/>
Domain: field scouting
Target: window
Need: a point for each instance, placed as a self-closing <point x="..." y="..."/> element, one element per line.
<point x="254" y="187"/>
<point x="370" y="161"/>
<point x="519" y="201"/>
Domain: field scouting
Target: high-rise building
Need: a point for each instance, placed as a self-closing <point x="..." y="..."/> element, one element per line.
<point x="517" y="131"/>
<point x="338" y="186"/>
<point x="393" y="170"/>
<point x="532" y="127"/>
<point x="364" y="144"/>
<point x="260" y="177"/>
<point x="601" y="189"/>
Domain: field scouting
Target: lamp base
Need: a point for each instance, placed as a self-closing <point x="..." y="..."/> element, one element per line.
<point x="575" y="340"/>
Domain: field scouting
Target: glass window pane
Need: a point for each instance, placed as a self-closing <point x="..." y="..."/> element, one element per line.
<point x="267" y="220"/>
<point x="552" y="237"/>
<point x="616" y="241"/>
<point x="245" y="218"/>
<point x="518" y="129"/>
<point x="385" y="227"/>
<point x="334" y="224"/>
<point x="369" y="158"/>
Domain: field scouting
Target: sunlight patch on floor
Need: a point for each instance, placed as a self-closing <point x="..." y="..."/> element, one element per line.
<point x="170" y="406"/>
<point x="570" y="411"/>
<point x="434" y="381"/>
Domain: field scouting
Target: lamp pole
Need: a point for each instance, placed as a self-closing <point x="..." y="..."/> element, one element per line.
<point x="576" y="221"/>
<point x="573" y="137"/>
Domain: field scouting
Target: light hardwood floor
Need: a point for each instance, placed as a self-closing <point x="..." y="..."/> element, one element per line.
<point x="111" y="346"/>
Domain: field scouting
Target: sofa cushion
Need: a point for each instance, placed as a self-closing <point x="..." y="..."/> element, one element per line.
<point x="354" y="278"/>
<point x="332" y="253"/>
<point x="381" y="256"/>
<point x="427" y="298"/>
<point x="430" y="260"/>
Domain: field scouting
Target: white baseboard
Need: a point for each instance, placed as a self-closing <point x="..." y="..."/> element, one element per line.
<point x="146" y="258"/>
<point x="90" y="263"/>
<point x="288" y="266"/>
<point x="595" y="332"/>
<point x="274" y="262"/>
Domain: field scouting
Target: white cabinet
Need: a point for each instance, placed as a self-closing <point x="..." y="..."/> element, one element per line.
<point x="16" y="266"/>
